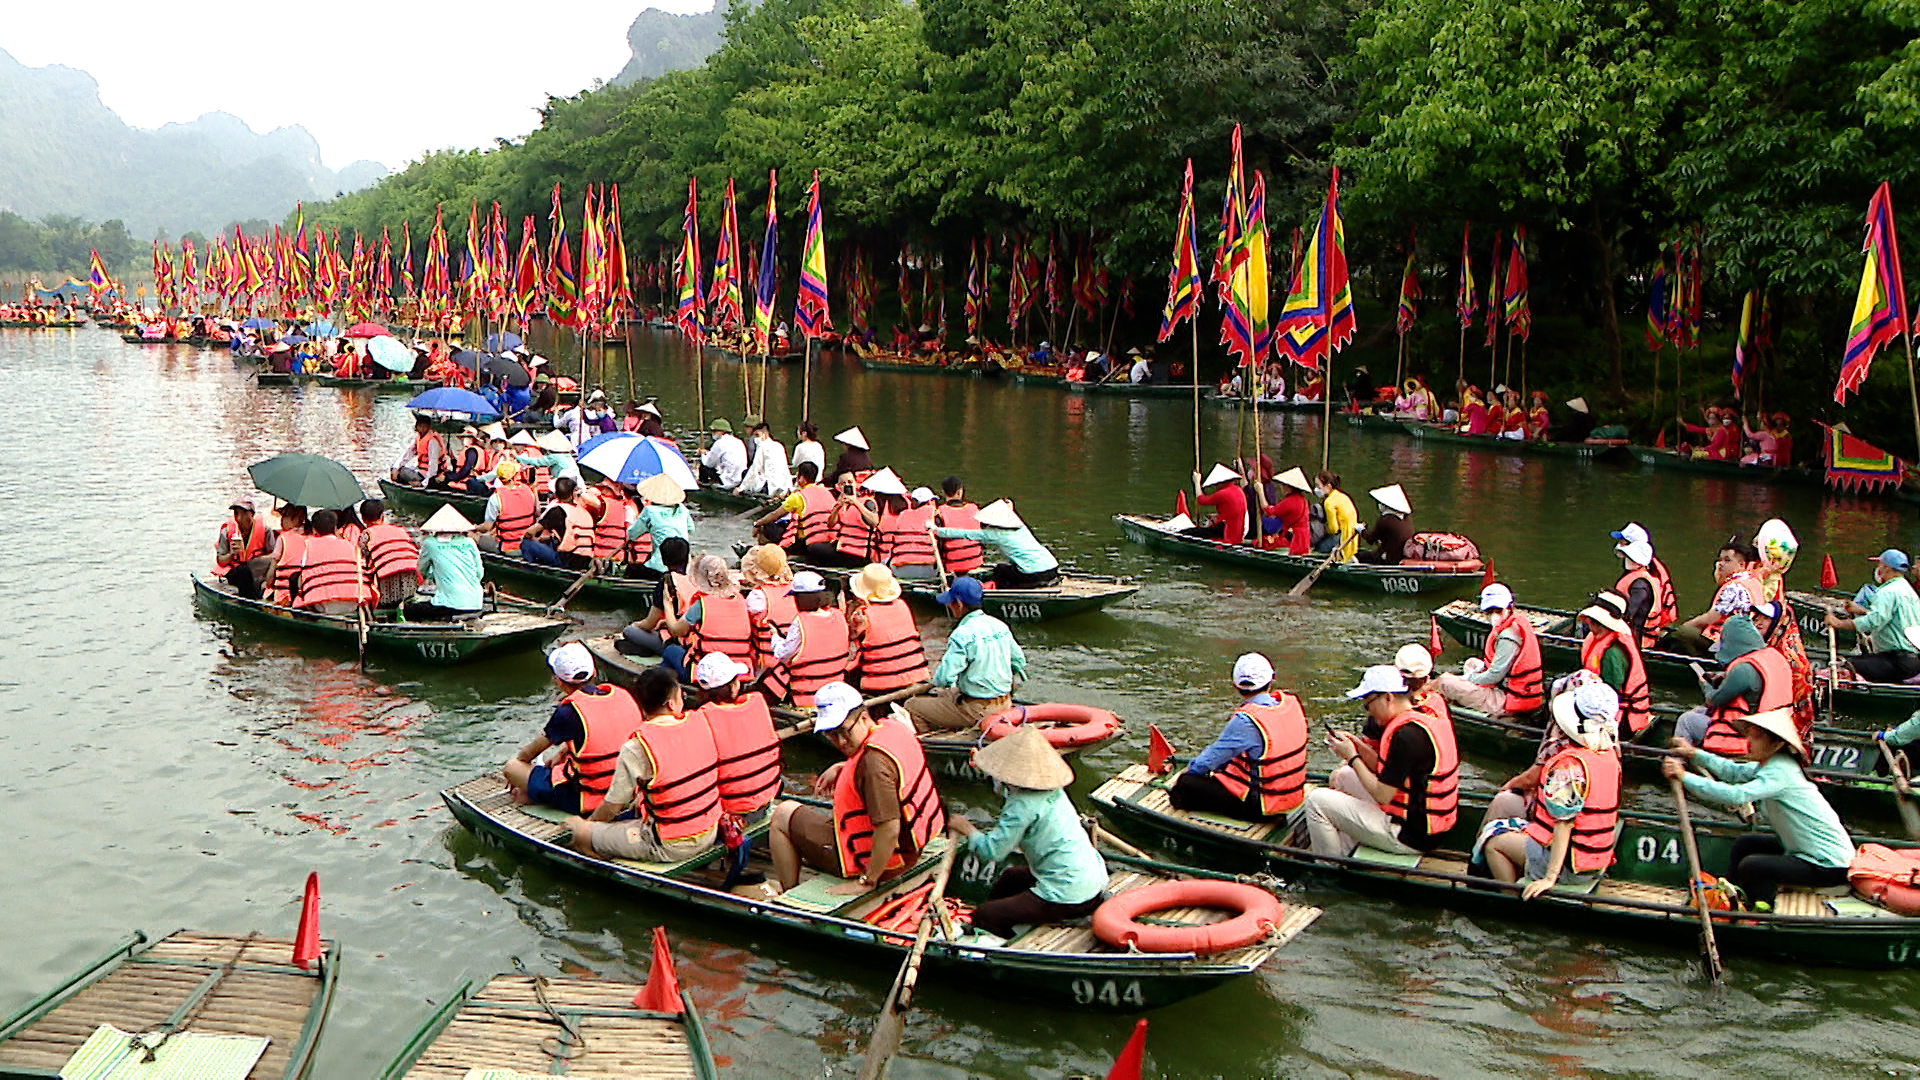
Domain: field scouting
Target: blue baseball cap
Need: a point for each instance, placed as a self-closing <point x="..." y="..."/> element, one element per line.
<point x="1894" y="559"/>
<point x="964" y="590"/>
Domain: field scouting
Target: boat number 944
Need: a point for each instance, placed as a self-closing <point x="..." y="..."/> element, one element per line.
<point x="1400" y="584"/>
<point x="1109" y="992"/>
<point x="1020" y="612"/>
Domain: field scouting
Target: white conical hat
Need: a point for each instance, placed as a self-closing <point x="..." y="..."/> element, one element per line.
<point x="1000" y="515"/>
<point x="447" y="520"/>
<point x="1578" y="404"/>
<point x="521" y="438"/>
<point x="1393" y="497"/>
<point x="1220" y="475"/>
<point x="886" y="482"/>
<point x="494" y="431"/>
<point x="555" y="442"/>
<point x="853" y="437"/>
<point x="1295" y="479"/>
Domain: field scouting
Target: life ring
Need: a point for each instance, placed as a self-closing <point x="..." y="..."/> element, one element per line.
<point x="1067" y="727"/>
<point x="1117" y="922"/>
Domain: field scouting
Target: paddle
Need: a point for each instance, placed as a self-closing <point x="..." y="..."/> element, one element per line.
<point x="1102" y="836"/>
<point x="1299" y="590"/>
<point x="871" y="703"/>
<point x="579" y="583"/>
<point x="886" y="1034"/>
<point x="1896" y="764"/>
<point x="1709" y="950"/>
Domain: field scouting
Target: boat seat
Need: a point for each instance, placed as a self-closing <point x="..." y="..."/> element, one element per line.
<point x="1398" y="860"/>
<point x="559" y="817"/>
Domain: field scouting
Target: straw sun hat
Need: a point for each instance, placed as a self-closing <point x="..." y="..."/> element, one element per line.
<point x="1024" y="759"/>
<point x="875" y="584"/>
<point x="662" y="490"/>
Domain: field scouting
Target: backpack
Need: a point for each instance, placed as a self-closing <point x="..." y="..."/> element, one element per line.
<point x="1441" y="547"/>
<point x="1888" y="875"/>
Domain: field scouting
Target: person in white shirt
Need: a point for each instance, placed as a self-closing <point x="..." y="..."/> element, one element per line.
<point x="725" y="462"/>
<point x="768" y="474"/>
<point x="807" y="447"/>
<point x="1142" y="370"/>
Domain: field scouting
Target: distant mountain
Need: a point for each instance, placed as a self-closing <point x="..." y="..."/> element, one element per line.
<point x="62" y="151"/>
<point x="662" y="41"/>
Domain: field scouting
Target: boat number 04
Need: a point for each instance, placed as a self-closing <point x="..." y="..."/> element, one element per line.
<point x="1648" y="849"/>
<point x="1400" y="584"/>
<point x="1108" y="992"/>
<point x="437" y="650"/>
<point x="1020" y="612"/>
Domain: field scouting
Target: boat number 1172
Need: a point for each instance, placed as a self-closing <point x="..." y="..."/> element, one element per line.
<point x="1108" y="992"/>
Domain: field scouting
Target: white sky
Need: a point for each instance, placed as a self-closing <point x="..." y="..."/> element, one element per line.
<point x="382" y="79"/>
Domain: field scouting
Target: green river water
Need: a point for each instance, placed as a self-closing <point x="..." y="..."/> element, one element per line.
<point x="169" y="771"/>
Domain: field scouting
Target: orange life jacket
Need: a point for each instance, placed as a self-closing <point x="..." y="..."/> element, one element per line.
<point x="1748" y="581"/>
<point x="852" y="536"/>
<point x="579" y="529"/>
<point x="329" y="570"/>
<point x="891" y="656"/>
<point x="922" y="816"/>
<point x="1434" y="704"/>
<point x="424" y="447"/>
<point x="1665" y="610"/>
<point x="778" y="616"/>
<point x="749" y="752"/>
<point x="1776" y="692"/>
<point x="904" y="539"/>
<point x="610" y="531"/>
<point x="816" y="517"/>
<point x="255" y="546"/>
<point x="959" y="556"/>
<point x="1636" y="699"/>
<point x="391" y="550"/>
<point x="683" y="798"/>
<point x="724" y="628"/>
<point x="821" y="658"/>
<point x="609" y="718"/>
<point x="293" y="552"/>
<point x="1525" y="684"/>
<point x="518" y="509"/>
<point x="1443" y="784"/>
<point x="1590" y="848"/>
<point x="1279" y="773"/>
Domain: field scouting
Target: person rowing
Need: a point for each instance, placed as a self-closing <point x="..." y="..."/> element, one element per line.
<point x="1029" y="564"/>
<point x="668" y="773"/>
<point x="1257" y="768"/>
<point x="585" y="732"/>
<point x="1889" y="623"/>
<point x="1229" y="503"/>
<point x="1390" y="532"/>
<point x="974" y="679"/>
<point x="1565" y="824"/>
<point x="1402" y="798"/>
<point x="1508" y="678"/>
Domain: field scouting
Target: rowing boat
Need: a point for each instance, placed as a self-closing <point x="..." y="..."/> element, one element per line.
<point x="1235" y="401"/>
<point x="633" y="591"/>
<point x="385" y="386"/>
<point x="422" y="501"/>
<point x="1122" y="388"/>
<point x="272" y="378"/>
<point x="204" y="989"/>
<point x="1073" y="594"/>
<point x="1584" y="451"/>
<point x="725" y="498"/>
<point x="1400" y="580"/>
<point x="1059" y="964"/>
<point x="510" y="628"/>
<point x="1656" y="458"/>
<point x="1376" y="421"/>
<point x="791" y="356"/>
<point x="30" y="324"/>
<point x="1643" y="896"/>
<point x="535" y="1025"/>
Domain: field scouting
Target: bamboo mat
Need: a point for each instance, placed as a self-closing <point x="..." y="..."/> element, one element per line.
<point x="503" y="1027"/>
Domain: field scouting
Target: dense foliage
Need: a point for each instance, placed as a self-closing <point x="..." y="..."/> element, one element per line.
<point x="61" y="244"/>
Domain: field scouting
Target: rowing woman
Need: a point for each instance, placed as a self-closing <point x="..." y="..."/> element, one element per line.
<point x="1029" y="564"/>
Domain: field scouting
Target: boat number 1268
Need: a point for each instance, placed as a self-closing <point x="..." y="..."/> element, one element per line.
<point x="1108" y="992"/>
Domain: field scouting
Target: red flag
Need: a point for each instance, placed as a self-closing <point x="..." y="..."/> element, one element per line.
<point x="306" y="941"/>
<point x="1127" y="1065"/>
<point x="1486" y="576"/>
<point x="1180" y="502"/>
<point x="1158" y="750"/>
<point x="1828" y="579"/>
<point x="662" y="992"/>
<point x="1434" y="645"/>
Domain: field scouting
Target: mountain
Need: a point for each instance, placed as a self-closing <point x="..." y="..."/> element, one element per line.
<point x="662" y="41"/>
<point x="63" y="151"/>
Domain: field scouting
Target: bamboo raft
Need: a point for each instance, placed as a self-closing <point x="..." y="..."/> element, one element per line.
<point x="187" y="983"/>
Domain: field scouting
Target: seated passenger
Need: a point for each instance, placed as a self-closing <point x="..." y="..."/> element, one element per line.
<point x="1257" y="768"/>
<point x="743" y="736"/>
<point x="814" y="651"/>
<point x="588" y="728"/>
<point x="1567" y="823"/>
<point x="667" y="773"/>
<point x="888" y="654"/>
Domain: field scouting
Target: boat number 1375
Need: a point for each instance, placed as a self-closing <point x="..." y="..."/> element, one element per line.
<point x="1108" y="992"/>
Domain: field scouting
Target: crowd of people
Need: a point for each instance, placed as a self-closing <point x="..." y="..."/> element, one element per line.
<point x="1276" y="514"/>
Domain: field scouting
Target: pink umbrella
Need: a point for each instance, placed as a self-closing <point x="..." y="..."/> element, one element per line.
<point x="366" y="330"/>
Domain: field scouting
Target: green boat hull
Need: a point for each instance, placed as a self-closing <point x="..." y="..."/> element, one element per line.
<point x="23" y="324"/>
<point x="634" y="593"/>
<point x="424" y="643"/>
<point x="1076" y="594"/>
<point x="1387" y="580"/>
<point x="272" y="378"/>
<point x="1581" y="451"/>
<point x="1375" y="421"/>
<point x="1671" y="461"/>
<point x="423" y="502"/>
<point x="1138" y="390"/>
<point x="721" y="498"/>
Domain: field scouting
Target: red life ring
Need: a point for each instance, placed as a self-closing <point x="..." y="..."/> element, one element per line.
<point x="1117" y="922"/>
<point x="1067" y="727"/>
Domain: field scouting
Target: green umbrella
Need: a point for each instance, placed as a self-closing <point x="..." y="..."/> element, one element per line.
<point x="307" y="480"/>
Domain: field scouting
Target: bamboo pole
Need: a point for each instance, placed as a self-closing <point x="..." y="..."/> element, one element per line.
<point x="1400" y="366"/>
<point x="806" y="381"/>
<point x="1195" y="327"/>
<point x="1913" y="391"/>
<point x="1326" y="412"/>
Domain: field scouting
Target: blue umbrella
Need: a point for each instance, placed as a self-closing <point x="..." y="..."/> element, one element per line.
<point x="294" y="338"/>
<point x="321" y="328"/>
<point x="389" y="353"/>
<point x="257" y="323"/>
<point x="503" y="341"/>
<point x="629" y="458"/>
<point x="452" y="399"/>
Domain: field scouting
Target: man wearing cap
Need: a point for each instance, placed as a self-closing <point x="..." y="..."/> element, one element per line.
<point x="1229" y="502"/>
<point x="1508" y="679"/>
<point x="1415" y="665"/>
<point x="1890" y="621"/>
<point x="450" y="562"/>
<point x="1611" y="650"/>
<point x="725" y="462"/>
<point x="1401" y="799"/>
<point x="1391" y="532"/>
<point x="1564" y="829"/>
<point x="590" y="725"/>
<point x="1029" y="564"/>
<point x="853" y="459"/>
<point x="767" y="474"/>
<point x="240" y="550"/>
<point x="1257" y="768"/>
<point x="1646" y="585"/>
<point x="815" y="649"/>
<point x="885" y="806"/>
<point x="545" y="398"/>
<point x="743" y="736"/>
<point x="976" y="674"/>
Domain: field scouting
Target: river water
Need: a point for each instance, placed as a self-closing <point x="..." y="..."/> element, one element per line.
<point x="169" y="771"/>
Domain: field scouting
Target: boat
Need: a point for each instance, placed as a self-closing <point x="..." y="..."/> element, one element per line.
<point x="385" y="386"/>
<point x="1126" y="389"/>
<point x="195" y="984"/>
<point x="635" y="591"/>
<point x="1584" y="451"/>
<point x="1238" y="401"/>
<point x="723" y="498"/>
<point x="421" y="501"/>
<point x="510" y="627"/>
<point x="272" y="378"/>
<point x="927" y="364"/>
<point x="1376" y="421"/>
<point x="1057" y="964"/>
<point x="1401" y="580"/>
<point x="791" y="356"/>
<point x="532" y="1025"/>
<point x="1656" y="458"/>
<point x="1073" y="594"/>
<point x="1643" y="896"/>
<point x="142" y="339"/>
<point x="33" y="324"/>
<point x="1037" y="375"/>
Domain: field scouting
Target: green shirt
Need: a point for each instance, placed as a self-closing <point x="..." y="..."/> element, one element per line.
<point x="1028" y="555"/>
<point x="662" y="522"/>
<point x="1893" y="617"/>
<point x="453" y="565"/>
<point x="1779" y="788"/>
<point x="982" y="659"/>
<point x="1043" y="826"/>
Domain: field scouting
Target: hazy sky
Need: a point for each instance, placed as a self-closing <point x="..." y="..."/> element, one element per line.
<point x="381" y="79"/>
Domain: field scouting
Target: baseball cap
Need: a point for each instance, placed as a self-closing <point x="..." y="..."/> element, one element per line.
<point x="1638" y="550"/>
<point x="1379" y="679"/>
<point x="921" y="495"/>
<point x="1894" y="559"/>
<point x="1252" y="671"/>
<point x="1413" y="661"/>
<point x="241" y="502"/>
<point x="831" y="704"/>
<point x="1633" y="533"/>
<point x="717" y="669"/>
<point x="964" y="589"/>
<point x="806" y="581"/>
<point x="1496" y="597"/>
<point x="571" y="662"/>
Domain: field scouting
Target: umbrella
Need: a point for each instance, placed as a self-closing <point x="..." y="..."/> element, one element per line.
<point x="389" y="353"/>
<point x="506" y="370"/>
<point x="452" y="399"/>
<point x="294" y="338"/>
<point x="257" y="323"/>
<point x="630" y="458"/>
<point x="503" y="341"/>
<point x="468" y="359"/>
<point x="306" y="480"/>
<point x="322" y="328"/>
<point x="366" y="330"/>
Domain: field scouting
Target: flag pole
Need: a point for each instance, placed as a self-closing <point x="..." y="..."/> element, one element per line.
<point x="1913" y="392"/>
<point x="1400" y="366"/>
<point x="1326" y="411"/>
<point x="1195" y="327"/>
<point x="1463" y="353"/>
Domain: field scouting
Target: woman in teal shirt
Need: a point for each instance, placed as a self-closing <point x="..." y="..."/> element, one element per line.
<point x="450" y="560"/>
<point x="1808" y="846"/>
<point x="665" y="515"/>
<point x="1064" y="877"/>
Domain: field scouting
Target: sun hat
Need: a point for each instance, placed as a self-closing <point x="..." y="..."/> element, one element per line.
<point x="1296" y="479"/>
<point x="1633" y="533"/>
<point x="241" y="502"/>
<point x="554" y="443"/>
<point x="831" y="705"/>
<point x="1578" y="404"/>
<point x="1379" y="679"/>
<point x="1893" y="559"/>
<point x="1589" y="714"/>
<point x="521" y="438"/>
<point x="1609" y="609"/>
<point x="494" y="431"/>
<point x="1252" y="672"/>
<point x="717" y="669"/>
<point x="721" y="423"/>
<point x="1024" y="759"/>
<point x="921" y="495"/>
<point x="662" y="490"/>
<point x="1220" y="475"/>
<point x="571" y="662"/>
<point x="1413" y="661"/>
<point x="648" y="408"/>
<point x="597" y="395"/>
<point x="885" y="482"/>
<point x="806" y="581"/>
<point x="1779" y="724"/>
<point x="875" y="584"/>
<point x="543" y="377"/>
<point x="1496" y="597"/>
<point x="765" y="563"/>
<point x="964" y="590"/>
<point x="1638" y="551"/>
<point x="711" y="576"/>
<point x="507" y="470"/>
<point x="447" y="520"/>
<point x="1393" y="497"/>
<point x="853" y="437"/>
<point x="999" y="515"/>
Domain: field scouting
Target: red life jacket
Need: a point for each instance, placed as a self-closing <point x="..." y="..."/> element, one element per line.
<point x="1279" y="772"/>
<point x="1590" y="848"/>
<point x="1525" y="684"/>
<point x="610" y="529"/>
<point x="749" y="751"/>
<point x="922" y="816"/>
<point x="329" y="570"/>
<point x="724" y="628"/>
<point x="821" y="658"/>
<point x="1443" y="784"/>
<point x="609" y="718"/>
<point x="424" y="447"/>
<point x="778" y="616"/>
<point x="904" y="539"/>
<point x="255" y="546"/>
<point x="959" y="556"/>
<point x="1636" y="699"/>
<point x="683" y="798"/>
<point x="1665" y="610"/>
<point x="1776" y="692"/>
<point x="1434" y="704"/>
<point x="891" y="655"/>
<point x="816" y="518"/>
<point x="391" y="550"/>
<point x="579" y="536"/>
<point x="852" y="536"/>
<point x="518" y="509"/>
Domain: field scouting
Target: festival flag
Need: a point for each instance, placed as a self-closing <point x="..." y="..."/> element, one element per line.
<point x="1695" y="282"/>
<point x="1828" y="578"/>
<point x="1493" y="292"/>
<point x="1657" y="308"/>
<point x="1854" y="464"/>
<point x="307" y="944"/>
<point x="976" y="290"/>
<point x="905" y="286"/>
<point x="1519" y="313"/>
<point x="1183" y="280"/>
<point x="1744" y="342"/>
<point x="620" y="295"/>
<point x="97" y="280"/>
<point x="1158" y="748"/>
<point x="1132" y="1056"/>
<point x="406" y="259"/>
<point x="1465" y="300"/>
<point x="476" y="279"/>
<point x="562" y="288"/>
<point x="592" y="264"/>
<point x="1880" y="308"/>
<point x="1229" y="233"/>
<point x="526" y="275"/>
<point x="500" y="264"/>
<point x="725" y="294"/>
<point x="687" y="313"/>
<point x="661" y="993"/>
<point x="1317" y="320"/>
<point x="764" y="288"/>
<point x="1410" y="294"/>
<point x="1019" y="289"/>
<point x="810" y="312"/>
<point x="1053" y="277"/>
<point x="860" y="289"/>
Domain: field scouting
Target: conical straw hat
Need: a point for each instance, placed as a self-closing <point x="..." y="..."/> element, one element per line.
<point x="1024" y="759"/>
<point x="447" y="520"/>
<point x="1295" y="479"/>
<point x="662" y="490"/>
<point x="853" y="436"/>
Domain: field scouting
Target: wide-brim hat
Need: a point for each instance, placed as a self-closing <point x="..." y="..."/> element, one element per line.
<point x="447" y="520"/>
<point x="1220" y="475"/>
<point x="885" y="482"/>
<point x="853" y="436"/>
<point x="662" y="490"/>
<point x="494" y="431"/>
<point x="1609" y="609"/>
<point x="711" y="576"/>
<point x="1295" y="478"/>
<point x="1779" y="724"/>
<point x="648" y="408"/>
<point x="521" y="438"/>
<point x="720" y="423"/>
<point x="1578" y="404"/>
<point x="875" y="584"/>
<point x="766" y="562"/>
<point x="1393" y="497"/>
<point x="999" y="515"/>
<point x="554" y="442"/>
<point x="1024" y="759"/>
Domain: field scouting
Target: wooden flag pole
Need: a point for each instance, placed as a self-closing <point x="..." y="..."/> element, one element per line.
<point x="1400" y="366"/>
<point x="1463" y="352"/>
<point x="1326" y="410"/>
<point x="1913" y="391"/>
<point x="1195" y="327"/>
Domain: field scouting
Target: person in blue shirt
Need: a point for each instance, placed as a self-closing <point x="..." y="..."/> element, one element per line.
<point x="1256" y="769"/>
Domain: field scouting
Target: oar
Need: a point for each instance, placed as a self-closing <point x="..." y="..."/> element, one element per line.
<point x="1102" y="836"/>
<point x="1299" y="590"/>
<point x="555" y="608"/>
<point x="1909" y="814"/>
<point x="1709" y="949"/>
<point x="893" y="1015"/>
<point x="871" y="703"/>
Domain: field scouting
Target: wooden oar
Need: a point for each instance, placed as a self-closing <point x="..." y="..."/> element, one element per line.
<point x="1299" y="590"/>
<point x="1896" y="764"/>
<point x="1102" y="836"/>
<point x="1709" y="949"/>
<point x="893" y="1015"/>
<point x="579" y="583"/>
<point x="887" y="698"/>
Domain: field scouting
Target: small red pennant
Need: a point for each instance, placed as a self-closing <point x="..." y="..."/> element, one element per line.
<point x="1433" y="636"/>
<point x="1828" y="579"/>
<point x="662" y="992"/>
<point x="1158" y="750"/>
<point x="306" y="940"/>
<point x="1133" y="1055"/>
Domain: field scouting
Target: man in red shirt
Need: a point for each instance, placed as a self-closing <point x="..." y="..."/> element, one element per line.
<point x="1229" y="502"/>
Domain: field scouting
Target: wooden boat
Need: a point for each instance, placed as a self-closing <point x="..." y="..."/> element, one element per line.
<point x="30" y="324"/>
<point x="139" y="339"/>
<point x="385" y="386"/>
<point x="634" y="591"/>
<point x="1391" y="580"/>
<point x="1655" y="458"/>
<point x="511" y="627"/>
<point x="791" y="356"/>
<point x="1040" y="375"/>
<point x="1584" y="451"/>
<point x="926" y="364"/>
<point x="1375" y="421"/>
<point x="1236" y="401"/>
<point x="422" y="501"/>
<point x="272" y="378"/>
<point x="1058" y="964"/>
<point x="716" y="496"/>
<point x="1073" y="594"/>
<point x="192" y="984"/>
<point x="1643" y="896"/>
<point x="534" y="1025"/>
<point x="1122" y="388"/>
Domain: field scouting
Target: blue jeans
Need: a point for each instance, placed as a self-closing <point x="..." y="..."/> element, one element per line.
<point x="535" y="551"/>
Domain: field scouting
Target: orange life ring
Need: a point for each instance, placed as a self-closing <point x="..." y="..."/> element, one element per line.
<point x="1117" y="922"/>
<point x="1067" y="727"/>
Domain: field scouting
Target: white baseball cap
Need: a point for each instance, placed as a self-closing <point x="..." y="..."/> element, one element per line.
<point x="921" y="495"/>
<point x="1413" y="661"/>
<point x="1252" y="672"/>
<point x="1379" y="679"/>
<point x="831" y="705"/>
<point x="1633" y="533"/>
<point x="1638" y="550"/>
<point x="806" y="581"/>
<point x="717" y="669"/>
<point x="1496" y="597"/>
<point x="571" y="662"/>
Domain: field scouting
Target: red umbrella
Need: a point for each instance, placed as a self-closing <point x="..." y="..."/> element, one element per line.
<point x="366" y="330"/>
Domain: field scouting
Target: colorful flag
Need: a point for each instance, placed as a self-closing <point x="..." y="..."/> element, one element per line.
<point x="976" y="290"/>
<point x="810" y="313"/>
<point x="526" y="274"/>
<point x="725" y="294"/>
<point x="1657" y="308"/>
<point x="97" y="280"/>
<point x="1410" y="294"/>
<point x="1880" y="309"/>
<point x="1317" y="320"/>
<point x="687" y="313"/>
<point x="1183" y="280"/>
<point x="1744" y="342"/>
<point x="1053" y="277"/>
<point x="1466" y="300"/>
<point x="1856" y="465"/>
<point x="905" y="285"/>
<point x="1519" y="313"/>
<point x="563" y="293"/>
<point x="621" y="296"/>
<point x="1493" y="292"/>
<point x="764" y="288"/>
